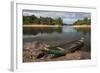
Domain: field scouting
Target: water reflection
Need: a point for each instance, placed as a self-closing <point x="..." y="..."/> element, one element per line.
<point x="50" y="30"/>
<point x="37" y="30"/>
<point x="83" y="30"/>
<point x="56" y="35"/>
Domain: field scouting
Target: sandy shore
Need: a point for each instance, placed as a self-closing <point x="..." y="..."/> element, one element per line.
<point x="82" y="26"/>
<point x="41" y="25"/>
<point x="76" y="26"/>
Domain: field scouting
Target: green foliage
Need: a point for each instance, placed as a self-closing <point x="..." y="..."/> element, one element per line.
<point x="26" y="19"/>
<point x="85" y="21"/>
<point x="41" y="20"/>
<point x="58" y="21"/>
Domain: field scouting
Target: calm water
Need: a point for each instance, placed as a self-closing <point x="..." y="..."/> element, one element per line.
<point x="56" y="35"/>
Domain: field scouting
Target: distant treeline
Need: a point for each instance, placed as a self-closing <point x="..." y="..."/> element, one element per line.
<point x="85" y="21"/>
<point x="41" y="20"/>
<point x="50" y="21"/>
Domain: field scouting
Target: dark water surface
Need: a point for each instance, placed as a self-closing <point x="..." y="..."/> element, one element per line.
<point x="56" y="35"/>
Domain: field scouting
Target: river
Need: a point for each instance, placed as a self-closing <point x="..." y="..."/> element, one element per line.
<point x="56" y="35"/>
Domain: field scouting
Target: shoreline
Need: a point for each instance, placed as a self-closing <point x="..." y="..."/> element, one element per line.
<point x="77" y="55"/>
<point x="76" y="26"/>
<point x="82" y="26"/>
<point x="31" y="51"/>
<point x="42" y="26"/>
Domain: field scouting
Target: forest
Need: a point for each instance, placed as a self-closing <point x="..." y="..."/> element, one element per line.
<point x="27" y="20"/>
<point x="85" y="21"/>
<point x="41" y="20"/>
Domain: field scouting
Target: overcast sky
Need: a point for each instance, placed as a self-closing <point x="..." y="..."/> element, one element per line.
<point x="67" y="17"/>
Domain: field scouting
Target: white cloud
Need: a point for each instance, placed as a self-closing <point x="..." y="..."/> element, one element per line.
<point x="69" y="21"/>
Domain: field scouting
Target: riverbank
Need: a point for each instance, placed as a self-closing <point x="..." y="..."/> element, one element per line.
<point x="31" y="50"/>
<point x="41" y="25"/>
<point x="81" y="26"/>
<point x="33" y="25"/>
<point x="77" y="55"/>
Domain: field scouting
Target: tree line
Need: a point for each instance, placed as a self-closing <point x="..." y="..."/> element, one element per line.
<point x="42" y="20"/>
<point x="85" y="21"/>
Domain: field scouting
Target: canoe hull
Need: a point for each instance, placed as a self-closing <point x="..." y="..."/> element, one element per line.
<point x="56" y="52"/>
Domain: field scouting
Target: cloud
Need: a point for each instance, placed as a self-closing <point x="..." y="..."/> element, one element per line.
<point x="67" y="17"/>
<point x="69" y="21"/>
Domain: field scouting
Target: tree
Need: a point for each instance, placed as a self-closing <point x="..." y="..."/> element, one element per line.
<point x="58" y="21"/>
<point x="26" y="19"/>
<point x="33" y="18"/>
<point x="85" y="21"/>
<point x="41" y="20"/>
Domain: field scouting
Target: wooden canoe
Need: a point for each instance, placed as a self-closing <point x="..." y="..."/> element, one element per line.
<point x="58" y="51"/>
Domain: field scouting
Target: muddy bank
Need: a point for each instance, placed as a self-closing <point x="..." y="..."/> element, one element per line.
<point x="31" y="51"/>
<point x="77" y="55"/>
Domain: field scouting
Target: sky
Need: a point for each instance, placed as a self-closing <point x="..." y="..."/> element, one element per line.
<point x="67" y="17"/>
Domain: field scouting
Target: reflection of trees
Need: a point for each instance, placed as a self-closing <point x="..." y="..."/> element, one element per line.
<point x="86" y="33"/>
<point x="83" y="30"/>
<point x="34" y="31"/>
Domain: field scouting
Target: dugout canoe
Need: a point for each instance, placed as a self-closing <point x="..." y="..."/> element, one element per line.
<point x="58" y="51"/>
